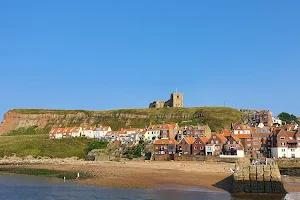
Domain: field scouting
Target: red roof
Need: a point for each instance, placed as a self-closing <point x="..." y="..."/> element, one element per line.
<point x="243" y="136"/>
<point x="203" y="139"/>
<point x="242" y="127"/>
<point x="54" y="130"/>
<point x="221" y="137"/>
<point x="104" y="128"/>
<point x="166" y="141"/>
<point x="189" y="140"/>
<point x="88" y="128"/>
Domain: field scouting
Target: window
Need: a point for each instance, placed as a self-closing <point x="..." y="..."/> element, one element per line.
<point x="201" y="148"/>
<point x="255" y="138"/>
<point x="282" y="138"/>
<point x="195" y="147"/>
<point x="249" y="140"/>
<point x="298" y="138"/>
<point x="156" y="147"/>
<point x="282" y="143"/>
<point x="255" y="143"/>
<point x="282" y="150"/>
<point x="200" y="142"/>
<point x="249" y="145"/>
<point x="214" y="137"/>
<point x="196" y="142"/>
<point x="212" y="141"/>
<point x="293" y="150"/>
<point x="234" y="142"/>
<point x="217" y="142"/>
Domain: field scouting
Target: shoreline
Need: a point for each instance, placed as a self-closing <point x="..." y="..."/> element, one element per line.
<point x="152" y="175"/>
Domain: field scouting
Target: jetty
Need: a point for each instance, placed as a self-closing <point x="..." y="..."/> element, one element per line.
<point x="258" y="177"/>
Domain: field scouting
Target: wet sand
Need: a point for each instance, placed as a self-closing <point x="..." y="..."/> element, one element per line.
<point x="138" y="174"/>
<point x="155" y="174"/>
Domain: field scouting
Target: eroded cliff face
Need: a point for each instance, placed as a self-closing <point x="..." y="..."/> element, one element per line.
<point x="39" y="119"/>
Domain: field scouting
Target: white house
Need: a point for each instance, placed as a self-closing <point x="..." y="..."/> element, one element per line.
<point x="276" y="120"/>
<point x="152" y="134"/>
<point x="241" y="129"/>
<point x="103" y="130"/>
<point x="285" y="144"/>
<point x="76" y="132"/>
<point x="210" y="149"/>
<point x="56" y="133"/>
<point x="89" y="132"/>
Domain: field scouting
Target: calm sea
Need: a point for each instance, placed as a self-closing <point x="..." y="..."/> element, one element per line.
<point x="17" y="187"/>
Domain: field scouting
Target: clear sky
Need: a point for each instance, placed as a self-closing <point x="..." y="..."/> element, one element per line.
<point x="123" y="54"/>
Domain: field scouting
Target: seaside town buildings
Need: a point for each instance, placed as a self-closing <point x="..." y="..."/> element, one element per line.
<point x="171" y="140"/>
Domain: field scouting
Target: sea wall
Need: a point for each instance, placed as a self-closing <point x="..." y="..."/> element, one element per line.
<point x="257" y="179"/>
<point x="285" y="163"/>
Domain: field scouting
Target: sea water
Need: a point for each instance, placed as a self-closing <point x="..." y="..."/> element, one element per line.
<point x="23" y="187"/>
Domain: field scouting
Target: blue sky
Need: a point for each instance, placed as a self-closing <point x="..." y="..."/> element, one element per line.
<point x="123" y="54"/>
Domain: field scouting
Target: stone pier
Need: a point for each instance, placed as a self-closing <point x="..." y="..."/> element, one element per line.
<point x="257" y="179"/>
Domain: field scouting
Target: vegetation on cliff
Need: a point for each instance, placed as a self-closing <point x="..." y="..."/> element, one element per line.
<point x="215" y="117"/>
<point x="40" y="145"/>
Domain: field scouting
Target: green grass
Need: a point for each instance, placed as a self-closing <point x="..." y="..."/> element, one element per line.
<point x="29" y="131"/>
<point x="215" y="117"/>
<point x="45" y="172"/>
<point x="40" y="145"/>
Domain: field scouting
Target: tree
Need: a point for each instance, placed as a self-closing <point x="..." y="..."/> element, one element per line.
<point x="287" y="118"/>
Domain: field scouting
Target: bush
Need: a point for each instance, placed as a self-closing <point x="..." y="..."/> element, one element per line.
<point x="95" y="145"/>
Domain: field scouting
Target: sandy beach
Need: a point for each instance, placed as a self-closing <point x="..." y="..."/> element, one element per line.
<point x="152" y="175"/>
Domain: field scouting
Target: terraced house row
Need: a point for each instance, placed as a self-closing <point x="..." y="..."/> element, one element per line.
<point x="237" y="141"/>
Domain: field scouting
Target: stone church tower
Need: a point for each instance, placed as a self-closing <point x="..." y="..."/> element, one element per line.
<point x="176" y="100"/>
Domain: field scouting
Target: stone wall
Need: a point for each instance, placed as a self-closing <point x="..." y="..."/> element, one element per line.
<point x="257" y="179"/>
<point x="288" y="163"/>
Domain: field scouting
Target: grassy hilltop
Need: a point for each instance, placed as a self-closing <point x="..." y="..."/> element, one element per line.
<point x="215" y="117"/>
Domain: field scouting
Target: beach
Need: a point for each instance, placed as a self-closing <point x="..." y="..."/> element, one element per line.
<point x="154" y="174"/>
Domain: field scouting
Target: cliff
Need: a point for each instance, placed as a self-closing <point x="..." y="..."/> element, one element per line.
<point x="215" y="117"/>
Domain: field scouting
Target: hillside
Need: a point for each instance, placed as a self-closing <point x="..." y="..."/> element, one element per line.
<point x="40" y="145"/>
<point x="215" y="117"/>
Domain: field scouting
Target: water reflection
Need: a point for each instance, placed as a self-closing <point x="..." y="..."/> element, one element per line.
<point x="16" y="187"/>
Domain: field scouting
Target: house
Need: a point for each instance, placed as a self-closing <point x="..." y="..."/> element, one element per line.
<point x="89" y="132"/>
<point x="277" y="121"/>
<point x="285" y="144"/>
<point x="67" y="133"/>
<point x="103" y="130"/>
<point x="76" y="132"/>
<point x="226" y="132"/>
<point x="56" y="133"/>
<point x="241" y="129"/>
<point x="169" y="131"/>
<point x="165" y="146"/>
<point x="234" y="147"/>
<point x="153" y="131"/>
<point x="185" y="145"/>
<point x="194" y="131"/>
<point x="263" y="116"/>
<point x="247" y="142"/>
<point x="215" y="144"/>
<point x="199" y="145"/>
<point x="112" y="135"/>
<point x="260" y="141"/>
